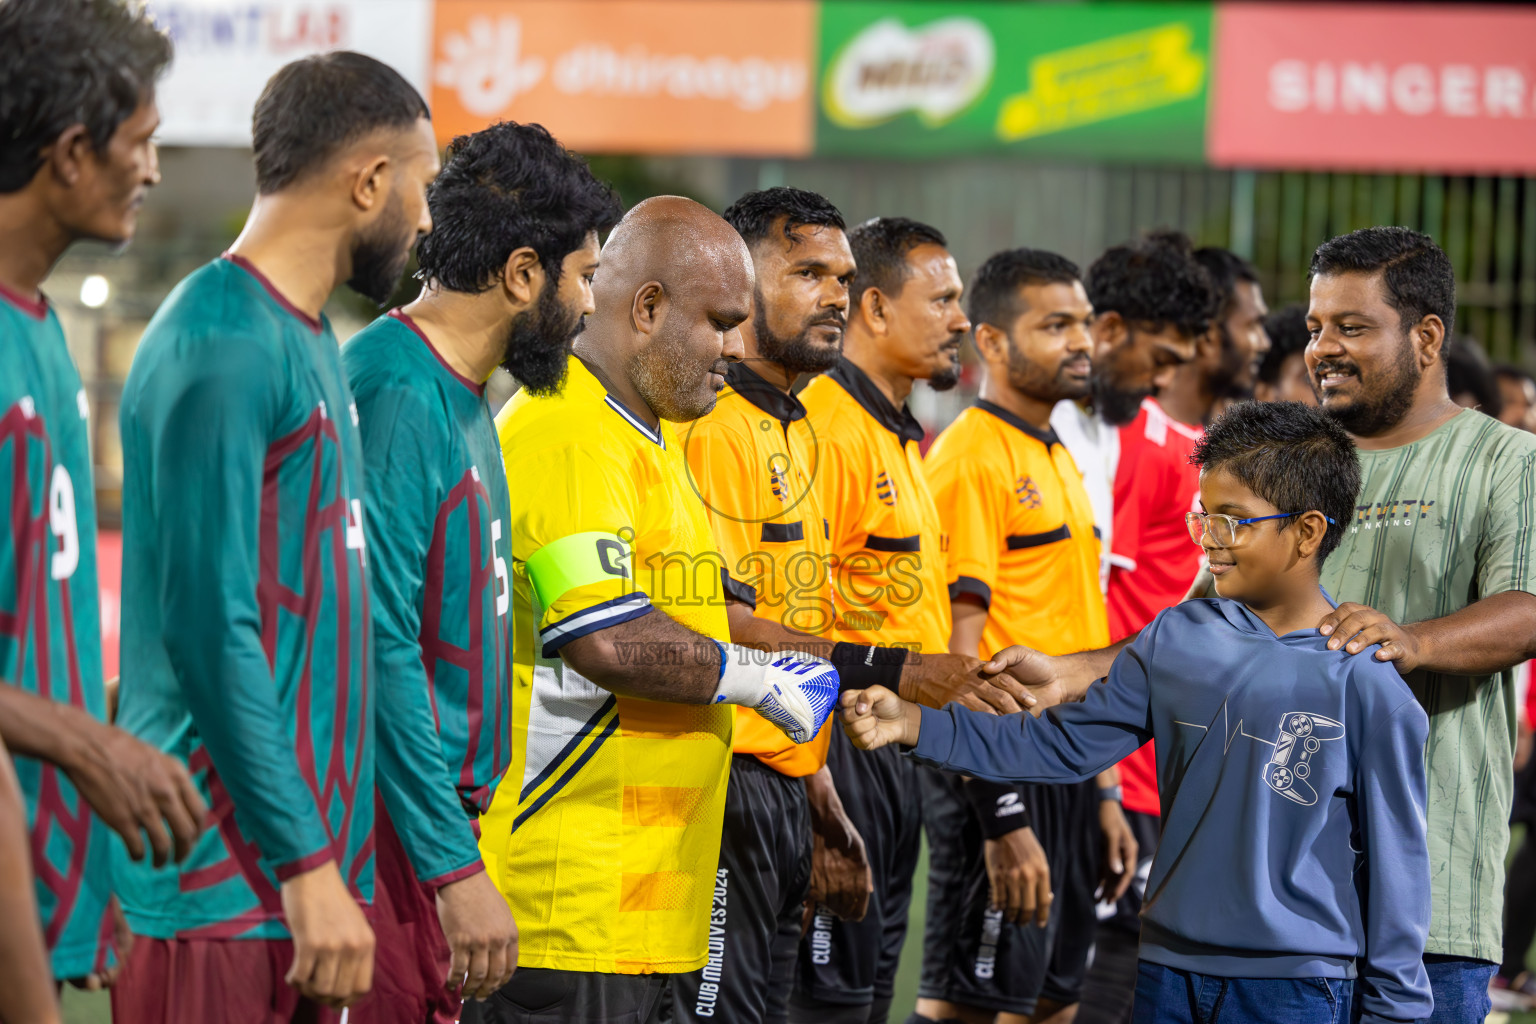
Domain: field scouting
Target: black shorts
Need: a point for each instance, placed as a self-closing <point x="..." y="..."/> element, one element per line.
<point x="1126" y="912"/>
<point x="971" y="956"/>
<point x="540" y="995"/>
<point x="853" y="963"/>
<point x="760" y="887"/>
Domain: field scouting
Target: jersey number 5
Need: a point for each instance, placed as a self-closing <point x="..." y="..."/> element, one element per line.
<point x="61" y="521"/>
<point x="503" y="591"/>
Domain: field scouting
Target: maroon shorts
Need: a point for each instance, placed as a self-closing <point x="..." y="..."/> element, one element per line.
<point x="412" y="956"/>
<point x="193" y="981"/>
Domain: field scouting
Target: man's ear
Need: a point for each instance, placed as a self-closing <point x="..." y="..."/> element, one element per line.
<point x="1429" y="340"/>
<point x="370" y="182"/>
<point x="1109" y="331"/>
<point x="1310" y="527"/>
<point x="523" y="276"/>
<point x="1208" y="345"/>
<point x="649" y="307"/>
<point x="68" y="154"/>
<point x="991" y="343"/>
<point x="874" y="308"/>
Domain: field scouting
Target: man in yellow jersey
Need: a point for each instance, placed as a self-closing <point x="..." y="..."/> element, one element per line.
<point x="1024" y="568"/>
<point x="889" y="578"/>
<point x="604" y="832"/>
<point x="753" y="461"/>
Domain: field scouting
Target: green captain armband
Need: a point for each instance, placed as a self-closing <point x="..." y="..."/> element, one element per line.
<point x="578" y="561"/>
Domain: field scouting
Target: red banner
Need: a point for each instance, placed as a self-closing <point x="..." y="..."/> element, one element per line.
<point x="1380" y="87"/>
<point x="109" y="570"/>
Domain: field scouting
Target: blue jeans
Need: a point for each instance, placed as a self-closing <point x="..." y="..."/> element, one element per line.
<point x="1165" y="995"/>
<point x="1460" y="986"/>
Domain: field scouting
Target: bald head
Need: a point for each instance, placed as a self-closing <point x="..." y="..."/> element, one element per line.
<point x="676" y="242"/>
<point x="673" y="287"/>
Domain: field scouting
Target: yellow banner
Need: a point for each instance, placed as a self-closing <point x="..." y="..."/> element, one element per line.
<point x="1104" y="79"/>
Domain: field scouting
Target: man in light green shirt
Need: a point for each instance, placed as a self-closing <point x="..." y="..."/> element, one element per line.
<point x="1439" y="568"/>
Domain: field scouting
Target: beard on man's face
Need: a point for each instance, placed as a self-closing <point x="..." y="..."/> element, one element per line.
<point x="802" y="352"/>
<point x="1383" y="399"/>
<point x="1232" y="378"/>
<point x="539" y="342"/>
<point x="947" y="376"/>
<point x="380" y="254"/>
<point x="1115" y="404"/>
<point x="1047" y="385"/>
<point x="675" y="382"/>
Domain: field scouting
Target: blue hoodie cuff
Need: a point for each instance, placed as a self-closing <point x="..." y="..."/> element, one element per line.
<point x="935" y="736"/>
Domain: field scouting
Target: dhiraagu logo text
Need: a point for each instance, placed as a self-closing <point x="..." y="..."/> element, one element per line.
<point x="935" y="70"/>
<point x="1104" y="79"/>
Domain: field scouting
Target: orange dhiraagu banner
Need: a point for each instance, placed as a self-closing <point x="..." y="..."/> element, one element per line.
<point x="635" y="76"/>
<point x="1380" y="87"/>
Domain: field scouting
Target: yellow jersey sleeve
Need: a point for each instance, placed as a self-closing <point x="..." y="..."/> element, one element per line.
<point x="580" y="548"/>
<point x="841" y="483"/>
<point x="966" y="495"/>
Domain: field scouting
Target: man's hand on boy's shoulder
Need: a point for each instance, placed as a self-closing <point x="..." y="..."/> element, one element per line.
<point x="1356" y="627"/>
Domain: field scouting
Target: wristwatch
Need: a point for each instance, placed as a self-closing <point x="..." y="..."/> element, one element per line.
<point x="1110" y="793"/>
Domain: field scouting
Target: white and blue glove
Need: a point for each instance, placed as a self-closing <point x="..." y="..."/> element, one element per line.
<point x="794" y="691"/>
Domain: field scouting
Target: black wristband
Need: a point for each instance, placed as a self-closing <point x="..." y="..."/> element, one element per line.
<point x="860" y="666"/>
<point x="999" y="807"/>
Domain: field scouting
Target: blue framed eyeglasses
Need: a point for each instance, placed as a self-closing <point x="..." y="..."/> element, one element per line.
<point x="1222" y="529"/>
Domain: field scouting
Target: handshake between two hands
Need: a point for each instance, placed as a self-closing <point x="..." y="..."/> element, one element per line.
<point x="799" y="692"/>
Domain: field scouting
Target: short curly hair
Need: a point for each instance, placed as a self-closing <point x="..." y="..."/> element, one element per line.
<point x="1154" y="281"/>
<point x="1416" y="274"/>
<point x="69" y="62"/>
<point x="502" y="188"/>
<point x="755" y="214"/>
<point x="993" y="297"/>
<point x="1293" y="456"/>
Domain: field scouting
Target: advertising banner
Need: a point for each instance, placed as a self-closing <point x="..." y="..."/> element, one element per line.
<point x="1091" y="81"/>
<point x="1375" y="87"/>
<point x="109" y="574"/>
<point x="664" y="76"/>
<point x="227" y="49"/>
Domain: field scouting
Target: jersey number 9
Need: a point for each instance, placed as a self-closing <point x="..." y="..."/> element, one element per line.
<point x="61" y="521"/>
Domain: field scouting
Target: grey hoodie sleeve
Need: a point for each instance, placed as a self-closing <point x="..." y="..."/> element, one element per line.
<point x="1390" y="790"/>
<point x="1069" y="743"/>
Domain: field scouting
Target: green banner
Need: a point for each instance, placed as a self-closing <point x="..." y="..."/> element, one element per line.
<point x="1102" y="81"/>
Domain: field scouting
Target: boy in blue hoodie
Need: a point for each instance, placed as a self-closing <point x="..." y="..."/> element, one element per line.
<point x="1293" y="864"/>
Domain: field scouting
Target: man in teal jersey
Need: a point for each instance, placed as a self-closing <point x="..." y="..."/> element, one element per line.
<point x="246" y="647"/>
<point x="1439" y="568"/>
<point x="508" y="271"/>
<point x="78" y="77"/>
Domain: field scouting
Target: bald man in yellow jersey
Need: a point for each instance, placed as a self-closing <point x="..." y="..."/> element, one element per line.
<point x="754" y="460"/>
<point x="604" y="833"/>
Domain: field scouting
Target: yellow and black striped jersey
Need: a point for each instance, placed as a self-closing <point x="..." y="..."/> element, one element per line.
<point x="605" y="832"/>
